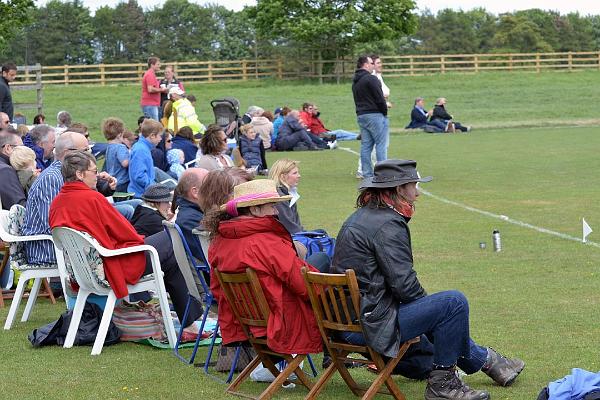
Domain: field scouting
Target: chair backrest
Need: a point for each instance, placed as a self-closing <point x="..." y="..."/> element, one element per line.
<point x="335" y="300"/>
<point x="185" y="260"/>
<point x="203" y="238"/>
<point x="246" y="299"/>
<point x="82" y="258"/>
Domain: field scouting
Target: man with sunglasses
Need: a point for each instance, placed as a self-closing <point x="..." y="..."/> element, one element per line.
<point x="11" y="191"/>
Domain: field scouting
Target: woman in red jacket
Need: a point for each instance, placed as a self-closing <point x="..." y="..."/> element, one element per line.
<point x="245" y="233"/>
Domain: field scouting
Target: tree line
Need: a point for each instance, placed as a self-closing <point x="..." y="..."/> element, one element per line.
<point x="66" y="32"/>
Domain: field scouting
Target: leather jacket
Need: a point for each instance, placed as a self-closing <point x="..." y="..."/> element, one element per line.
<point x="375" y="243"/>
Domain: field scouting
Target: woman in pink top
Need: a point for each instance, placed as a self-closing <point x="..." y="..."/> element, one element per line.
<point x="151" y="90"/>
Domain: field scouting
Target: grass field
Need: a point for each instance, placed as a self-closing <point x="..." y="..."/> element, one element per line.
<point x="537" y="299"/>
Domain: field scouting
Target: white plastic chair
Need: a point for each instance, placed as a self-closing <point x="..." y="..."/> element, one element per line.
<point x="73" y="244"/>
<point x="27" y="272"/>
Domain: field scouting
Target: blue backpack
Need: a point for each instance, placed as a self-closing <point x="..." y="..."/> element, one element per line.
<point x="316" y="241"/>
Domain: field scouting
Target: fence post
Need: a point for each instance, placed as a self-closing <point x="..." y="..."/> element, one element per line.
<point x="411" y="65"/>
<point x="537" y="63"/>
<point x="66" y="72"/>
<point x="476" y="62"/>
<point x="38" y="84"/>
<point x="139" y="71"/>
<point x="280" y="69"/>
<point x="570" y="60"/>
<point x="510" y="63"/>
<point x="102" y="76"/>
<point x="244" y="70"/>
<point x="442" y="64"/>
<point x="209" y="67"/>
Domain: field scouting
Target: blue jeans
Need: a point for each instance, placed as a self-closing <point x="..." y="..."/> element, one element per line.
<point x="444" y="318"/>
<point x="374" y="132"/>
<point x="127" y="207"/>
<point x="341" y="134"/>
<point x="150" y="112"/>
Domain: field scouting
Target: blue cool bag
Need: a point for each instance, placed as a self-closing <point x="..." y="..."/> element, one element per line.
<point x="315" y="241"/>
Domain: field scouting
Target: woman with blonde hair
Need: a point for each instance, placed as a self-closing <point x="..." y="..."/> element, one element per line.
<point x="286" y="174"/>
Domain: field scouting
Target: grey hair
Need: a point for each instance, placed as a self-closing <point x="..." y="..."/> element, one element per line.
<point x="76" y="161"/>
<point x="63" y="118"/>
<point x="7" y="137"/>
<point x="253" y="110"/>
<point x="39" y="133"/>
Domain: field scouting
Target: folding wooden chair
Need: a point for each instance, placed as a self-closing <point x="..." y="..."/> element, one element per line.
<point x="248" y="303"/>
<point x="335" y="299"/>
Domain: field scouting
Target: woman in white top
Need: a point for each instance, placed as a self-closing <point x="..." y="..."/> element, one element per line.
<point x="213" y="146"/>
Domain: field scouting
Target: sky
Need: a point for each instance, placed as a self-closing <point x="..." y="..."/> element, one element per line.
<point x="584" y="7"/>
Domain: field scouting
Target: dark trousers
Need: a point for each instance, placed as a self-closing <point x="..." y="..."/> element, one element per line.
<point x="288" y="142"/>
<point x="174" y="281"/>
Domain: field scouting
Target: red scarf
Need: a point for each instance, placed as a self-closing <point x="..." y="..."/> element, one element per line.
<point x="402" y="206"/>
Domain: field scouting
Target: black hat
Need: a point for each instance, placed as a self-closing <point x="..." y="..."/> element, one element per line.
<point x="392" y="173"/>
<point x="157" y="193"/>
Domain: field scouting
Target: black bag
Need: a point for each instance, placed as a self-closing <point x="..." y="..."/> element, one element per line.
<point x="227" y="354"/>
<point x="55" y="332"/>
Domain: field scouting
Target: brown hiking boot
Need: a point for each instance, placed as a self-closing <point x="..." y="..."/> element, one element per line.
<point x="501" y="369"/>
<point x="446" y="385"/>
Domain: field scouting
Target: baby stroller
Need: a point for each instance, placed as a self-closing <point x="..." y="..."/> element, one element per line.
<point x="227" y="116"/>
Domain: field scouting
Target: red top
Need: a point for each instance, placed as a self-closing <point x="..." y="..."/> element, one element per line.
<point x="95" y="215"/>
<point x="316" y="125"/>
<point x="150" y="99"/>
<point x="264" y="245"/>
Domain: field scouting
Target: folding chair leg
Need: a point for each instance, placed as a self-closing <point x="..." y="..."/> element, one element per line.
<point x="312" y="365"/>
<point x="49" y="290"/>
<point x="33" y="294"/>
<point x="281" y="377"/>
<point x="15" y="302"/>
<point x="104" y="323"/>
<point x="384" y="376"/>
<point x="210" y="350"/>
<point x="76" y="318"/>
<point x="243" y="375"/>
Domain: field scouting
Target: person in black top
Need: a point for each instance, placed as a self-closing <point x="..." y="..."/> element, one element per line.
<point x="148" y="217"/>
<point x="371" y="111"/>
<point x="9" y="73"/>
<point x="440" y="113"/>
<point x="419" y="118"/>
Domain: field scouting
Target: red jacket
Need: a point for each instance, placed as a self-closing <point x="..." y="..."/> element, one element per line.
<point x="264" y="245"/>
<point x="79" y="207"/>
<point x="313" y="123"/>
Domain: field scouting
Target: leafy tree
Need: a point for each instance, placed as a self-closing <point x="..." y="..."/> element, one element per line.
<point x="62" y="33"/>
<point x="516" y="33"/>
<point x="120" y="33"/>
<point x="14" y="15"/>
<point x="180" y="30"/>
<point x="234" y="34"/>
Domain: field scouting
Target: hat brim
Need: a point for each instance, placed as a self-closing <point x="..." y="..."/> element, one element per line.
<point x="257" y="202"/>
<point x="368" y="182"/>
<point x="163" y="200"/>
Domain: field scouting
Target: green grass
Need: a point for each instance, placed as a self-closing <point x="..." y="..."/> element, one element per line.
<point x="537" y="299"/>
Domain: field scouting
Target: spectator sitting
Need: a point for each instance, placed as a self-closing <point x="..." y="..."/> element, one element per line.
<point x="316" y="127"/>
<point x="175" y="158"/>
<point x="418" y="119"/>
<point x="22" y="160"/>
<point x="251" y="148"/>
<point x="148" y="216"/>
<point x="116" y="161"/>
<point x="185" y="141"/>
<point x="253" y="111"/>
<point x="141" y="167"/>
<point x="263" y="126"/>
<point x="129" y="138"/>
<point x="440" y="113"/>
<point x="279" y="116"/>
<point x="11" y="191"/>
<point x="213" y="146"/>
<point x="63" y="122"/>
<point x="293" y="136"/>
<point x="41" y="140"/>
<point x="39" y="119"/>
<point x="159" y="153"/>
<point x="183" y="113"/>
<point x="22" y="130"/>
<point x="286" y="175"/>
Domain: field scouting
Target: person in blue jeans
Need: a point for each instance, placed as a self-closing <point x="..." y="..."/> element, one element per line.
<point x="371" y="112"/>
<point x="375" y="242"/>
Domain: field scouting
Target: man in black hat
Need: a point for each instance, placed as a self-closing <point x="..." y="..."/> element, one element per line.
<point x="375" y="242"/>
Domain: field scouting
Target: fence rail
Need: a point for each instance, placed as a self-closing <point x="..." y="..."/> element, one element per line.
<point x="242" y="70"/>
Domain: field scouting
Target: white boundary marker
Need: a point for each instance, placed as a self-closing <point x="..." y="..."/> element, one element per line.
<point x="502" y="218"/>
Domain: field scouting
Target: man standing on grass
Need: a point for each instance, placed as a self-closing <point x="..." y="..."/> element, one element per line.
<point x="151" y="90"/>
<point x="9" y="74"/>
<point x="371" y="111"/>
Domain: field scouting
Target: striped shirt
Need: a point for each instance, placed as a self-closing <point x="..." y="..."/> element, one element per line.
<point x="42" y="192"/>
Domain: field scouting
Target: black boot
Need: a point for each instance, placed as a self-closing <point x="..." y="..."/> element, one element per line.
<point x="501" y="369"/>
<point x="444" y="384"/>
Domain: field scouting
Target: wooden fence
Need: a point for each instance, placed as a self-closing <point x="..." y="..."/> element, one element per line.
<point x="242" y="70"/>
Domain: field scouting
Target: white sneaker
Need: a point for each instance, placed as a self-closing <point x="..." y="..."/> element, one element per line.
<point x="332" y="145"/>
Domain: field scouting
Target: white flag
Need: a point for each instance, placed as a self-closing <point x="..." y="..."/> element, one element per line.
<point x="586" y="229"/>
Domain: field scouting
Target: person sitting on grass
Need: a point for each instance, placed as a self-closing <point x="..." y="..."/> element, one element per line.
<point x="293" y="135"/>
<point x="116" y="161"/>
<point x="245" y="234"/>
<point x="22" y="159"/>
<point x="252" y="149"/>
<point x="141" y="166"/>
<point x="103" y="222"/>
<point x="316" y="127"/>
<point x="263" y="126"/>
<point x="440" y="113"/>
<point x="213" y="145"/>
<point x="184" y="140"/>
<point x="375" y="242"/>
<point x="419" y="119"/>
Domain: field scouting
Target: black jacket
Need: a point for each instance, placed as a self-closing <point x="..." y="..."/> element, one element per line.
<point x="11" y="191"/>
<point x="288" y="216"/>
<point x="368" y="96"/>
<point x="146" y="221"/>
<point x="439" y="112"/>
<point x="6" y="104"/>
<point x="376" y="244"/>
<point x="417" y="119"/>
